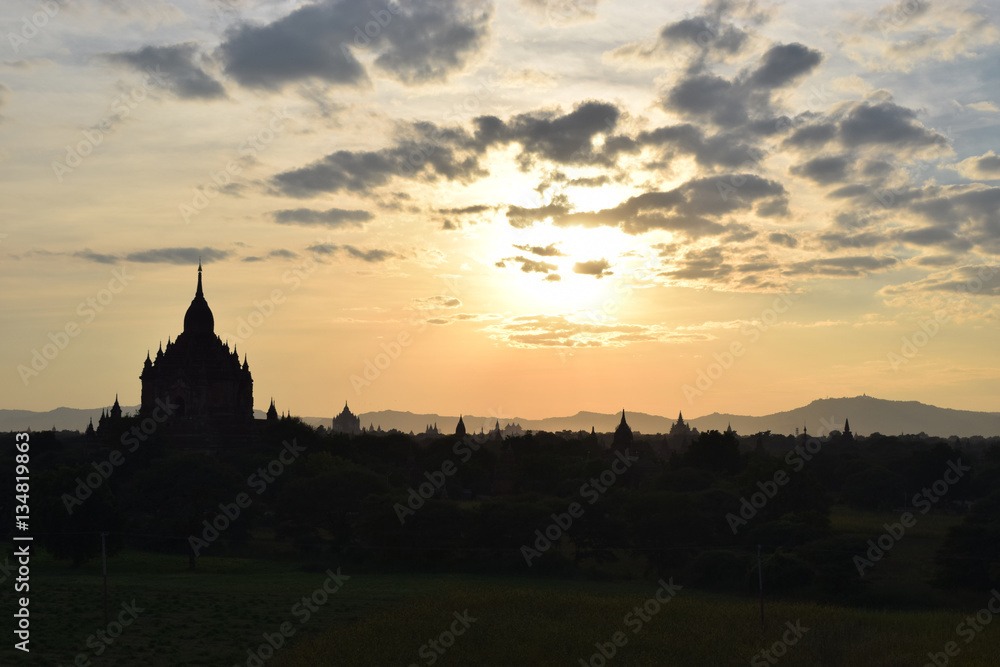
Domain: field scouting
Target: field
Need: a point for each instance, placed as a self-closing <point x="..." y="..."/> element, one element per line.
<point x="220" y="614"/>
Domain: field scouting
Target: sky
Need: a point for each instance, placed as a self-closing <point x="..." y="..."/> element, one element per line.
<point x="518" y="208"/>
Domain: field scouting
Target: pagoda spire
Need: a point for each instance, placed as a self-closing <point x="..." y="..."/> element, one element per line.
<point x="198" y="292"/>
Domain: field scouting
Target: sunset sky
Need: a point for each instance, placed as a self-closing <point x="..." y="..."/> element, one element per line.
<point x="556" y="205"/>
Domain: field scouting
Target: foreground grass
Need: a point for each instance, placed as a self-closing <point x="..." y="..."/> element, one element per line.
<point x="527" y="626"/>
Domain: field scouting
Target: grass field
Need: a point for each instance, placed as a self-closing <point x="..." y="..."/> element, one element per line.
<point x="215" y="615"/>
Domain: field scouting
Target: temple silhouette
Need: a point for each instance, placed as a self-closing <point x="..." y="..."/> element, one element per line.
<point x="196" y="389"/>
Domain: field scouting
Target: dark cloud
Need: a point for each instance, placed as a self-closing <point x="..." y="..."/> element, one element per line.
<point x="842" y="267"/>
<point x="98" y="257"/>
<point x="412" y="43"/>
<point x="283" y="253"/>
<point x="783" y="64"/>
<point x="589" y="181"/>
<point x="842" y="240"/>
<point x="812" y="136"/>
<point x="176" y="65"/>
<point x="735" y="102"/>
<point x="360" y="171"/>
<point x="936" y="260"/>
<point x="529" y="265"/>
<point x="708" y="96"/>
<point x="724" y="149"/>
<point x="542" y="251"/>
<point x="374" y="255"/>
<point x="553" y="277"/>
<point x="466" y="210"/>
<point x="692" y="209"/>
<point x="982" y="167"/>
<point x="850" y="192"/>
<point x="973" y="209"/>
<point x="824" y="170"/>
<point x="783" y="239"/>
<point x="886" y="124"/>
<point x="933" y="236"/>
<point x="705" y="264"/>
<point x="332" y="218"/>
<point x="712" y="35"/>
<point x="187" y="256"/>
<point x="564" y="139"/>
<point x="521" y="217"/>
<point x="594" y="267"/>
<point x="963" y="281"/>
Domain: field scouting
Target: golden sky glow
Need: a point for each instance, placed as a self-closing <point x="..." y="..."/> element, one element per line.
<point x="556" y="205"/>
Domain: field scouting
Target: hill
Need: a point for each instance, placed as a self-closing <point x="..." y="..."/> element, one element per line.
<point x="866" y="414"/>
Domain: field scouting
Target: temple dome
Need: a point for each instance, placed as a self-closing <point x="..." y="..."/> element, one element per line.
<point x="199" y="318"/>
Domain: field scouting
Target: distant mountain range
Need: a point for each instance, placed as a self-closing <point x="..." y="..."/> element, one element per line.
<point x="866" y="414"/>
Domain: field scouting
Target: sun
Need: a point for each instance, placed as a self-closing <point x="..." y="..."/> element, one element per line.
<point x="565" y="269"/>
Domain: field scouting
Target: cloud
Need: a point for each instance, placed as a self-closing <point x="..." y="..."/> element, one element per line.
<point x="189" y="256"/>
<point x="4" y="96"/>
<point x="466" y="210"/>
<point x="977" y="280"/>
<point x="783" y="239"/>
<point x="973" y="211"/>
<point x="361" y="171"/>
<point x="529" y="265"/>
<point x="783" y="64"/>
<point x="564" y="330"/>
<point x="413" y="43"/>
<point x="435" y="302"/>
<point x="595" y="267"/>
<point x="983" y="167"/>
<point x="842" y="267"/>
<point x="92" y="256"/>
<point x="711" y="35"/>
<point x="564" y="139"/>
<point x="902" y="35"/>
<point x="824" y="170"/>
<point x="332" y="218"/>
<point x="562" y="12"/>
<point x="985" y="106"/>
<point x="542" y="251"/>
<point x="884" y="123"/>
<point x="374" y="255"/>
<point x="693" y="209"/>
<point x="521" y="217"/>
<point x="733" y="102"/>
<point x="176" y="65"/>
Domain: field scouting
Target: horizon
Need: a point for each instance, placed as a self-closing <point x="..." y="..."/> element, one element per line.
<point x="717" y="207"/>
<point x="532" y="418"/>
